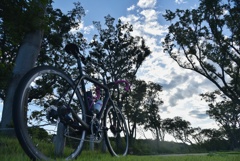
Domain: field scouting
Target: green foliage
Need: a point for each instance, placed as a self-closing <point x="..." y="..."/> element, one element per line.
<point x="206" y="40"/>
<point x="39" y="133"/>
<point x="56" y="25"/>
<point x="10" y="147"/>
<point x="5" y="73"/>
<point x="11" y="151"/>
<point x="153" y="147"/>
<point x="115" y="53"/>
<point x="29" y="17"/>
<point x="226" y="113"/>
<point x="133" y="106"/>
<point x="151" y="117"/>
<point x="180" y="129"/>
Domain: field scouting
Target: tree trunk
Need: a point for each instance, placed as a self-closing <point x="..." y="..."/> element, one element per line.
<point x="26" y="58"/>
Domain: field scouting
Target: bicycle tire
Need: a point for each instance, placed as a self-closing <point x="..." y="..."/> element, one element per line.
<point x="116" y="132"/>
<point x="41" y="93"/>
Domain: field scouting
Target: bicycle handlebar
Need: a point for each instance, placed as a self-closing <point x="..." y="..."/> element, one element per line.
<point x="74" y="50"/>
<point x="112" y="84"/>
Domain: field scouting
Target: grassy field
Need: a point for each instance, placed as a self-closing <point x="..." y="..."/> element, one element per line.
<point x="10" y="150"/>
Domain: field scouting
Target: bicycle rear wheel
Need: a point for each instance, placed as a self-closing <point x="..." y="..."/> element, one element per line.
<point x="116" y="132"/>
<point x="43" y="123"/>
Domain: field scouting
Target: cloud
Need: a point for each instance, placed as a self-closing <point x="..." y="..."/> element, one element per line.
<point x="181" y="87"/>
<point x="180" y="1"/>
<point x="176" y="80"/>
<point x="130" y="18"/>
<point x="146" y="3"/>
<point x="150" y="15"/>
<point x="154" y="28"/>
<point x="182" y="90"/>
<point x="131" y="8"/>
<point x="84" y="29"/>
<point x="198" y="114"/>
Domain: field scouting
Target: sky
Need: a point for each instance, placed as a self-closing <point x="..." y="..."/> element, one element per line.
<point x="181" y="87"/>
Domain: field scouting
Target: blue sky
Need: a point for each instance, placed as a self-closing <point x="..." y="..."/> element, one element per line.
<point x="97" y="9"/>
<point x="181" y="88"/>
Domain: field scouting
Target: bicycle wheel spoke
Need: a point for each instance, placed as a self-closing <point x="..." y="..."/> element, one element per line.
<point x="116" y="134"/>
<point x="42" y="102"/>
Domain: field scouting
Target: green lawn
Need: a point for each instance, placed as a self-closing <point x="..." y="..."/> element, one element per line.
<point x="10" y="150"/>
<point x="93" y="156"/>
<point x="88" y="156"/>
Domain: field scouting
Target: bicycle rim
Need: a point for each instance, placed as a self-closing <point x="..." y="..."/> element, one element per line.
<point x="41" y="97"/>
<point x="116" y="133"/>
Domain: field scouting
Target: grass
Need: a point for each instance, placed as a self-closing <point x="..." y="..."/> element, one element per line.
<point x="89" y="156"/>
<point x="10" y="150"/>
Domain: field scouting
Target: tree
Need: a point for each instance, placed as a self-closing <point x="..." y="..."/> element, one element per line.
<point x="33" y="19"/>
<point x="30" y="47"/>
<point x="134" y="107"/>
<point x="227" y="115"/>
<point x="207" y="41"/>
<point x="115" y="54"/>
<point x="180" y="129"/>
<point x="213" y="140"/>
<point x="152" y="119"/>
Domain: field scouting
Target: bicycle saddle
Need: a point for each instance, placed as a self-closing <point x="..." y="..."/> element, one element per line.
<point x="72" y="49"/>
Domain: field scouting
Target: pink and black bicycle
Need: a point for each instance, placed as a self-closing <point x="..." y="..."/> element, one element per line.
<point x="54" y="115"/>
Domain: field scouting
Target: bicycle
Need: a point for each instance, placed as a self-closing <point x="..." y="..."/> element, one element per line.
<point x="53" y="114"/>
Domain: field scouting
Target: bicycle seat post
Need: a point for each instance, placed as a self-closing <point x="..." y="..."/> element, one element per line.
<point x="73" y="49"/>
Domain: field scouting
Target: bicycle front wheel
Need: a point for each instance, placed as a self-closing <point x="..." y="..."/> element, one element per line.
<point x="43" y="123"/>
<point x="116" y="132"/>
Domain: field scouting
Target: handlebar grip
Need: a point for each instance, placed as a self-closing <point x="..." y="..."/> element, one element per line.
<point x="112" y="84"/>
<point x="127" y="88"/>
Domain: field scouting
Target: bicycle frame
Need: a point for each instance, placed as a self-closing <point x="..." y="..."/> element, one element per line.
<point x="74" y="50"/>
<point x="84" y="103"/>
<point x="60" y="110"/>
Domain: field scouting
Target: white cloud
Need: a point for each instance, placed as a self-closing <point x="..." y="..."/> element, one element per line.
<point x="181" y="87"/>
<point x="154" y="28"/>
<point x="180" y="1"/>
<point x="146" y="3"/>
<point x="131" y="8"/>
<point x="84" y="29"/>
<point x="130" y="18"/>
<point x="150" y="15"/>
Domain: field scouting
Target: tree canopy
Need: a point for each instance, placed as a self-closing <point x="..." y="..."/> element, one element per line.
<point x="23" y="44"/>
<point x="207" y="41"/>
<point x="56" y="26"/>
<point x="115" y="53"/>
